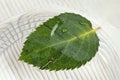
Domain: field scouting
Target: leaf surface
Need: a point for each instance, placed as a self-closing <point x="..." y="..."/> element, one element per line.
<point x="66" y="41"/>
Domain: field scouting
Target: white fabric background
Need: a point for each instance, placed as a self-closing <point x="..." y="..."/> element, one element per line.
<point x="108" y="9"/>
<point x="105" y="10"/>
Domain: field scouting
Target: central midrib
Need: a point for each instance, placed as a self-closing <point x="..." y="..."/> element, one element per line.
<point x="71" y="39"/>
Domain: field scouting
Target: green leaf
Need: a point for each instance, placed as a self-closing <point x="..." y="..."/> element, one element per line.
<point x="66" y="41"/>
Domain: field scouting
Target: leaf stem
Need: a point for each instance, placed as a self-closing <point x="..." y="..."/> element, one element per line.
<point x="96" y="29"/>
